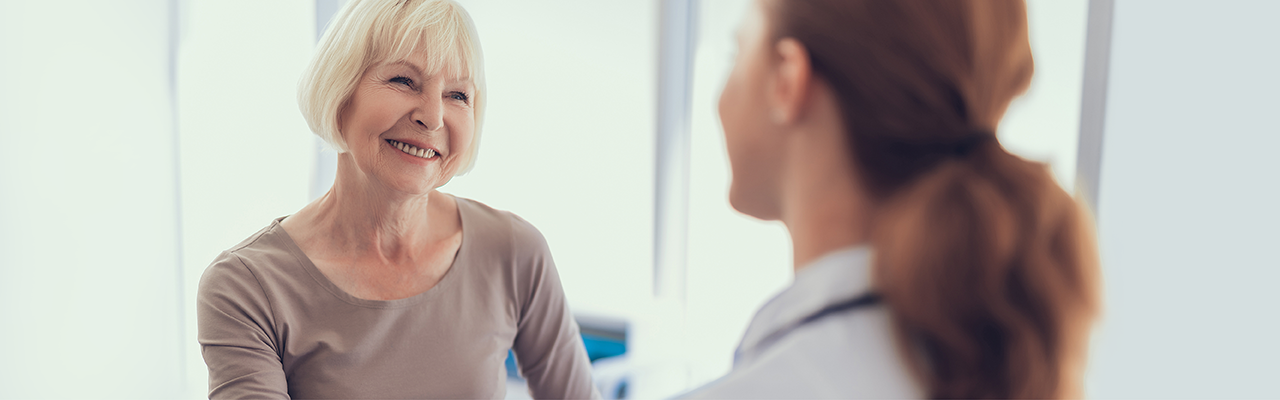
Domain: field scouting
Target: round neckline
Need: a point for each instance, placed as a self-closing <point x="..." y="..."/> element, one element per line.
<point x="444" y="284"/>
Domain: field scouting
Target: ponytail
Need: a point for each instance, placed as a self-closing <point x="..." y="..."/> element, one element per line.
<point x="988" y="268"/>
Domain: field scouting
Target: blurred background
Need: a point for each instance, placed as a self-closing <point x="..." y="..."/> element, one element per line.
<point x="140" y="138"/>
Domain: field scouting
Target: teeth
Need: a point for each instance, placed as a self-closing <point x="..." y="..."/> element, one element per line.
<point x="413" y="151"/>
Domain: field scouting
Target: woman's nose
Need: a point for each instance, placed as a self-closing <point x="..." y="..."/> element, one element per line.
<point x="430" y="114"/>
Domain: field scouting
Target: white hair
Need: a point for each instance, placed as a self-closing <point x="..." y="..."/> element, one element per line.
<point x="366" y="33"/>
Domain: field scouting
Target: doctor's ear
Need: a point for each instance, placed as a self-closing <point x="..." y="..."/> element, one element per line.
<point x="790" y="81"/>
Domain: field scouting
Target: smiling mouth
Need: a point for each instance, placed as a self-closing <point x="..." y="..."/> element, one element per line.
<point x="412" y="150"/>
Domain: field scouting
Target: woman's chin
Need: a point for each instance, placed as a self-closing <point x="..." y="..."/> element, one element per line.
<point x="411" y="181"/>
<point x="741" y="206"/>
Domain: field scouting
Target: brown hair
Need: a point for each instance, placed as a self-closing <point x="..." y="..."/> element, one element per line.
<point x="987" y="265"/>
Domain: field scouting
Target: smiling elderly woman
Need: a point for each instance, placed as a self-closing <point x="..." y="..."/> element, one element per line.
<point x="385" y="287"/>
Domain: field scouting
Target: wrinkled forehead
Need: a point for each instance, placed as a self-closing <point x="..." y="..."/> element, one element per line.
<point x="450" y="62"/>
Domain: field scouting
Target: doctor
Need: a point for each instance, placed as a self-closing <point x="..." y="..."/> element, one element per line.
<point x="930" y="262"/>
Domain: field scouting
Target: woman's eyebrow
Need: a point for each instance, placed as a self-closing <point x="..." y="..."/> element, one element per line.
<point x="406" y="63"/>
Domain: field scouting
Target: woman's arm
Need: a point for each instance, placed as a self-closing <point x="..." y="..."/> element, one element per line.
<point x="237" y="333"/>
<point x="547" y="344"/>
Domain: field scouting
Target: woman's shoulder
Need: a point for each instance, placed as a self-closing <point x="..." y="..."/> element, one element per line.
<point x="265" y="255"/>
<point x="494" y="228"/>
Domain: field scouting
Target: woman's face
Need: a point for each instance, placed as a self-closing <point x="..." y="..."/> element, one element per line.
<point x="406" y="128"/>
<point x="752" y="137"/>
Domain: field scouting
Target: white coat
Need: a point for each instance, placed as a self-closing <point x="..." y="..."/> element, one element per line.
<point x="793" y="349"/>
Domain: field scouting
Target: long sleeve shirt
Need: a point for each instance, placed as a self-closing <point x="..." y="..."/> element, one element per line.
<point x="271" y="325"/>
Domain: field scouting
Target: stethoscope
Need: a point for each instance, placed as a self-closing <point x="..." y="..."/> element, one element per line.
<point x="863" y="301"/>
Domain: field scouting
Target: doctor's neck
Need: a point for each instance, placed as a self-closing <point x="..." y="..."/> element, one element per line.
<point x="822" y="201"/>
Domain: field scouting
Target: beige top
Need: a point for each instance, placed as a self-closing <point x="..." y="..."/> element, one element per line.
<point x="272" y="325"/>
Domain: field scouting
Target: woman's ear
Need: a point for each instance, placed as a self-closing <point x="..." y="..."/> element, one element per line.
<point x="791" y="81"/>
<point x="339" y="120"/>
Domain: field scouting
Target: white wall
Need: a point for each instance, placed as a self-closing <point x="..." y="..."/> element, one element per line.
<point x="1188" y="203"/>
<point x="247" y="155"/>
<point x="90" y="286"/>
<point x="1044" y="123"/>
<point x="568" y="137"/>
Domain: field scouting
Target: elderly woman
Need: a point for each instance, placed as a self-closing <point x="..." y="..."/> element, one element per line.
<point x="384" y="287"/>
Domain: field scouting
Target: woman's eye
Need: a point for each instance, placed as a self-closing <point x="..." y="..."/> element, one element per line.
<point x="460" y="96"/>
<point x="403" y="81"/>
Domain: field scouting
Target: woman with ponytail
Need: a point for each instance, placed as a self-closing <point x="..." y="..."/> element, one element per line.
<point x="930" y="262"/>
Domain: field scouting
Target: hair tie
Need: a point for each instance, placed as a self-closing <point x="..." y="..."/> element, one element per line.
<point x="973" y="140"/>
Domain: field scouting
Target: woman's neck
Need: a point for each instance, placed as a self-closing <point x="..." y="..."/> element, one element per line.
<point x="363" y="219"/>
<point x="824" y="223"/>
<point x="823" y="203"/>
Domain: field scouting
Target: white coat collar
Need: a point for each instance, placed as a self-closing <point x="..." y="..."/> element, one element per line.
<point x="835" y="277"/>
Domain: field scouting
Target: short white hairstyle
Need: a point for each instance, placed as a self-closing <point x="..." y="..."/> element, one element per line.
<point x="366" y="33"/>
